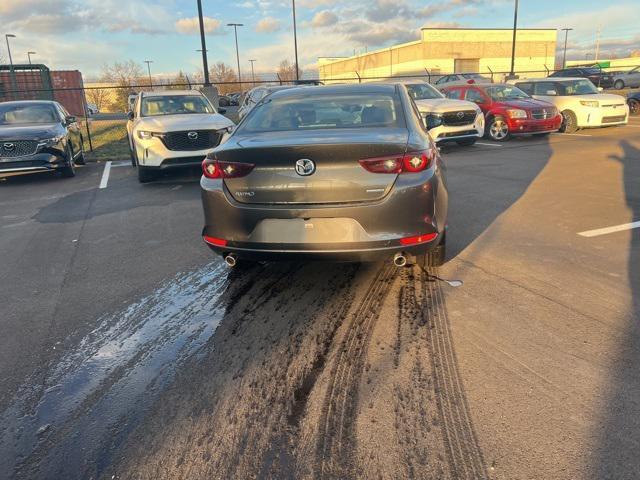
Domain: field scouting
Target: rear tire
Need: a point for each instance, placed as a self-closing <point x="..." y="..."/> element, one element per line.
<point x="618" y="85"/>
<point x="467" y="142"/>
<point x="569" y="122"/>
<point x="146" y="176"/>
<point x="634" y="106"/>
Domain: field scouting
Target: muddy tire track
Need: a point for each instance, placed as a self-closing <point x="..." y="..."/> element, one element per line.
<point x="461" y="444"/>
<point x="335" y="455"/>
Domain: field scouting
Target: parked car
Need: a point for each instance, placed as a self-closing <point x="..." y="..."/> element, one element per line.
<point x="627" y="79"/>
<point x="448" y="120"/>
<point x="508" y="110"/>
<point x="461" y="79"/>
<point x="633" y="100"/>
<point x="38" y="136"/>
<point x="255" y="95"/>
<point x="597" y="76"/>
<point x="92" y="109"/>
<point x="340" y="172"/>
<point x="581" y="104"/>
<point x="172" y="129"/>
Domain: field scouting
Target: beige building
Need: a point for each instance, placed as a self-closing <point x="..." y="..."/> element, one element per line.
<point x="450" y="50"/>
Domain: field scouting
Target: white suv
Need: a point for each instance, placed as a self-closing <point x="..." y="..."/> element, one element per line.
<point x="448" y="120"/>
<point x="580" y="102"/>
<point x="169" y="129"/>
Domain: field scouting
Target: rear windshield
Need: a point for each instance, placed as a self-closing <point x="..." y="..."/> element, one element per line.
<point x="174" y="105"/>
<point x="349" y="110"/>
<point x="423" y="91"/>
<point x="21" y="114"/>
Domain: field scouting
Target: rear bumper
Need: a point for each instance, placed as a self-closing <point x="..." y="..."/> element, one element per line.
<point x="530" y="126"/>
<point x="364" y="252"/>
<point x="39" y="162"/>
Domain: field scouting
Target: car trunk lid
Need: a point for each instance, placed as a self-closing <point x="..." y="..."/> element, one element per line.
<point x="335" y="153"/>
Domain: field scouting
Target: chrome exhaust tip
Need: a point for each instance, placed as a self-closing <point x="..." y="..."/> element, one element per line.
<point x="399" y="259"/>
<point x="230" y="260"/>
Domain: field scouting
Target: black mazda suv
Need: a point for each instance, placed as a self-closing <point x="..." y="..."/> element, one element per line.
<point x="38" y="136"/>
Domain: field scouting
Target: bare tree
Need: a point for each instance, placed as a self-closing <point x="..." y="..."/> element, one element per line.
<point x="287" y="71"/>
<point x="127" y="76"/>
<point x="221" y="74"/>
<point x="180" y="82"/>
<point x="98" y="96"/>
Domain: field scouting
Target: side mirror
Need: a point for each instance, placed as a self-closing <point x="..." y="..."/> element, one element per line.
<point x="222" y="111"/>
<point x="130" y="115"/>
<point x="431" y="121"/>
<point x="69" y="119"/>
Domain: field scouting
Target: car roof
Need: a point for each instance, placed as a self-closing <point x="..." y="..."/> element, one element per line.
<point x="401" y="81"/>
<point x="549" y="79"/>
<point x="166" y="93"/>
<point x="30" y="102"/>
<point x="388" y="88"/>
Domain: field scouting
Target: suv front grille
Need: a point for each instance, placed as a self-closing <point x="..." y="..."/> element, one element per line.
<point x="17" y="148"/>
<point x="192" y="140"/>
<point x="463" y="117"/>
<point x="543" y="113"/>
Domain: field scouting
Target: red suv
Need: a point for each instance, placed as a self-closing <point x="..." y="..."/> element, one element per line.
<point x="508" y="110"/>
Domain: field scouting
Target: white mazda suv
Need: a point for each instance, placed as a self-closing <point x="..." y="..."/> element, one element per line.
<point x="171" y="129"/>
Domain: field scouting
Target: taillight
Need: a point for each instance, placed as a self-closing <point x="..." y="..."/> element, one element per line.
<point x="212" y="168"/>
<point x="218" y="242"/>
<point x="427" y="237"/>
<point x="411" y="162"/>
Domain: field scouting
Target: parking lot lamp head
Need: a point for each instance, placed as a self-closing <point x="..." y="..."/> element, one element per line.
<point x="29" y="55"/>
<point x="7" y="37"/>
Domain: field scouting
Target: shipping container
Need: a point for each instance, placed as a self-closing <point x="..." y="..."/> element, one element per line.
<point x="37" y="82"/>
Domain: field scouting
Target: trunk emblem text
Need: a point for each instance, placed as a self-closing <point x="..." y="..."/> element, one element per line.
<point x="305" y="167"/>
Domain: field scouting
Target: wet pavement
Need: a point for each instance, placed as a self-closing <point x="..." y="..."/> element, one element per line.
<point x="129" y="351"/>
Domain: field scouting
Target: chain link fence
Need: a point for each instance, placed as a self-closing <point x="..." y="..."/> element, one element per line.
<point x="101" y="110"/>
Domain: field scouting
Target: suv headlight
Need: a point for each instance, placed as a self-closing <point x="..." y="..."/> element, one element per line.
<point x="50" y="142"/>
<point x="516" y="113"/>
<point x="145" y="135"/>
<point x="589" y="103"/>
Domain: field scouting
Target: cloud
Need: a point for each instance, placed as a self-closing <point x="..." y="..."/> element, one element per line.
<point x="315" y="3"/>
<point x="324" y="19"/>
<point x="192" y="25"/>
<point x="268" y="25"/>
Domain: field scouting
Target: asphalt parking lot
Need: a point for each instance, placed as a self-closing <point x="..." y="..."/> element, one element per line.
<point x="129" y="351"/>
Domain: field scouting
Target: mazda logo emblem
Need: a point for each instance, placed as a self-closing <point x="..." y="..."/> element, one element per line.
<point x="9" y="147"/>
<point x="305" y="167"/>
<point x="192" y="135"/>
<point x="460" y="114"/>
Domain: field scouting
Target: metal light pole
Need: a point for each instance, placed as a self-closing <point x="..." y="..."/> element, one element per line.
<point x="564" y="54"/>
<point x="205" y="64"/>
<point x="235" y="29"/>
<point x="513" y="46"/>
<point x="13" y="74"/>
<point x="253" y="77"/>
<point x="149" y="62"/>
<point x="295" y="39"/>
<point x="29" y="55"/>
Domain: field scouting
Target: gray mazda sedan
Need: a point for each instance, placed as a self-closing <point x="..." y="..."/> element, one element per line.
<point x="344" y="172"/>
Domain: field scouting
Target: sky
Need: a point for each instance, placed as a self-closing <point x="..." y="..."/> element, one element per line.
<point x="86" y="34"/>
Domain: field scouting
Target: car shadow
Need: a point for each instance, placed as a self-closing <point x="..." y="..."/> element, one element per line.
<point x="485" y="181"/>
<point x="619" y="439"/>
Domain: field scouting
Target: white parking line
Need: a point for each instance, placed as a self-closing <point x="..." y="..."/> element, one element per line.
<point x="105" y="175"/>
<point x="605" y="231"/>
<point x="488" y="144"/>
<point x="121" y="164"/>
